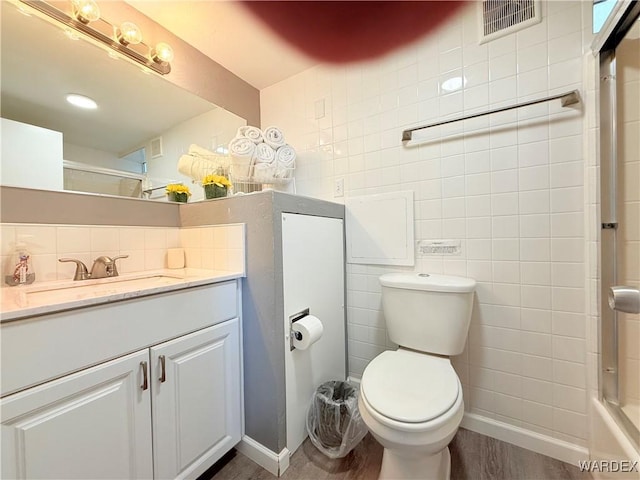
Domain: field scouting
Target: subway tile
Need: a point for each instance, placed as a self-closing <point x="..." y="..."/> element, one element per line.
<point x="508" y="406"/>
<point x="567" y="224"/>
<point x="538" y="344"/>
<point x="538" y="391"/>
<point x="536" y="320"/>
<point x="568" y="299"/>
<point x="569" y="373"/>
<point x="565" y="149"/>
<point x="504" y="181"/>
<point x="533" y="82"/>
<point x="536" y="296"/>
<point x="532" y="57"/>
<point x="567" y="249"/>
<point x="477" y="162"/>
<point x="567" y="200"/>
<point x="534" y="226"/>
<point x="567" y="174"/>
<point x="536" y="273"/>
<point x="569" y="324"/>
<point x="535" y="249"/>
<point x="537" y="414"/>
<point x="534" y="178"/>
<point x="478" y="206"/>
<point x="534" y="201"/>
<point x="569" y="349"/>
<point x="571" y="423"/>
<point x="131" y="238"/>
<point x="533" y="154"/>
<point x="506" y="272"/>
<point x="567" y="274"/>
<point x="73" y="239"/>
<point x="45" y="266"/>
<point x="478" y="227"/>
<point x="105" y="239"/>
<point x="565" y="48"/>
<point x="503" y="90"/>
<point x="540" y="368"/>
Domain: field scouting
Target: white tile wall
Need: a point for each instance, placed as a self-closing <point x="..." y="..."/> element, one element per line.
<point x="509" y="186"/>
<point x="219" y="247"/>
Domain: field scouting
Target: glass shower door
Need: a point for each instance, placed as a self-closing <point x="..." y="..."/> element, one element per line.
<point x="620" y="240"/>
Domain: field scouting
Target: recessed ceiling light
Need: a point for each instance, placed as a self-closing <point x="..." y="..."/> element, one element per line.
<point x="81" y="101"/>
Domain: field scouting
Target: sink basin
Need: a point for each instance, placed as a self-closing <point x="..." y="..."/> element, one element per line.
<point x="92" y="288"/>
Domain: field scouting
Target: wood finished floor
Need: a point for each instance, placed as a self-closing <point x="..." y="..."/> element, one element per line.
<point x="473" y="457"/>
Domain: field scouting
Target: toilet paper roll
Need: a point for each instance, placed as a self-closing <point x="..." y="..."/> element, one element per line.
<point x="175" y="257"/>
<point x="306" y="332"/>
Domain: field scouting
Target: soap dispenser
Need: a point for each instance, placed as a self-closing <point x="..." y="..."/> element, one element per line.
<point x="21" y="270"/>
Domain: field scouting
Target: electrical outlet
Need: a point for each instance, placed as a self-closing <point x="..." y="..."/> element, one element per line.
<point x="338" y="189"/>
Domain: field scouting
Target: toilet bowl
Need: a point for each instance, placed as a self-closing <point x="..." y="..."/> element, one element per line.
<point x="411" y="398"/>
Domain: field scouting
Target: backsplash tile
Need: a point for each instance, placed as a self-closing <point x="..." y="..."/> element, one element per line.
<point x="146" y="247"/>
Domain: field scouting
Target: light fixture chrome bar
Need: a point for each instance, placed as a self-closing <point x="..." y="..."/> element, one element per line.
<point x="568" y="98"/>
<point x="51" y="11"/>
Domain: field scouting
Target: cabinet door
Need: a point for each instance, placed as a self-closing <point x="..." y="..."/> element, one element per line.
<point x="92" y="424"/>
<point x="196" y="403"/>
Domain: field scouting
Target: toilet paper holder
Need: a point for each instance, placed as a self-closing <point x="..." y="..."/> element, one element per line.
<point x="292" y="333"/>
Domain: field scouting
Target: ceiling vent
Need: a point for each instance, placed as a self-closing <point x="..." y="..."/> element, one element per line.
<point x="502" y="17"/>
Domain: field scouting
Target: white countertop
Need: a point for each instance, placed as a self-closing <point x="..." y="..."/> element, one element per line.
<point x="42" y="298"/>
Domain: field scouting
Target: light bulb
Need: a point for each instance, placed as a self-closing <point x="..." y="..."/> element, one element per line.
<point x="129" y="33"/>
<point x="86" y="10"/>
<point x="163" y="53"/>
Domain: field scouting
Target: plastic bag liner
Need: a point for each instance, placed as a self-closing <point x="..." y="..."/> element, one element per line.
<point x="333" y="421"/>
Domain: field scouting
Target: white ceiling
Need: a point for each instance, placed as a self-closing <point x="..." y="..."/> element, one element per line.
<point x="230" y="35"/>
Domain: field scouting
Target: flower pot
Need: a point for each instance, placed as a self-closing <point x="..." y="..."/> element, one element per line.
<point x="212" y="190"/>
<point x="178" y="197"/>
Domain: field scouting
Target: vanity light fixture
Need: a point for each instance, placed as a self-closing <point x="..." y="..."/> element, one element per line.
<point x="81" y="101"/>
<point x="85" y="11"/>
<point x="129" y="34"/>
<point x="84" y="16"/>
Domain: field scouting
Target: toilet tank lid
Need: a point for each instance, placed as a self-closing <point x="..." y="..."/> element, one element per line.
<point x="428" y="282"/>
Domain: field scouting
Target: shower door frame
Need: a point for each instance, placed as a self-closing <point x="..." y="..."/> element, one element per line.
<point x="608" y="372"/>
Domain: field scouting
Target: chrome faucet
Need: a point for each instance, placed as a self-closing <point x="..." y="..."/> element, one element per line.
<point x="103" y="267"/>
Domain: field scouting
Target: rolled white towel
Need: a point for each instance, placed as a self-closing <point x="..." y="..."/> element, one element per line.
<point x="264" y="164"/>
<point x="274" y="137"/>
<point x="200" y="151"/>
<point x="184" y="165"/>
<point x="285" y="162"/>
<point x="196" y="167"/>
<point x="252" y="133"/>
<point x="242" y="152"/>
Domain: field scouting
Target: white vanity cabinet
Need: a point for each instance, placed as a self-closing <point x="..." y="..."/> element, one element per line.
<point x="170" y="409"/>
<point x="195" y="400"/>
<point x="92" y="424"/>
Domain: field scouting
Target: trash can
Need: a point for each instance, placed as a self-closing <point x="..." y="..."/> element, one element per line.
<point x="333" y="421"/>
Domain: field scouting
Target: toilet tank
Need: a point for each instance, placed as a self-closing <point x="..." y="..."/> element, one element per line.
<point x="428" y="313"/>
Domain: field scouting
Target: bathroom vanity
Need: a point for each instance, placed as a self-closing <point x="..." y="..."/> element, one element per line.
<point x="140" y="382"/>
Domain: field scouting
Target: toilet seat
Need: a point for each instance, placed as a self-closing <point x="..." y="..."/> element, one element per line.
<point x="410" y="387"/>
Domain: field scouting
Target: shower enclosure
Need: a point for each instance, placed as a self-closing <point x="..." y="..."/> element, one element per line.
<point x="619" y="372"/>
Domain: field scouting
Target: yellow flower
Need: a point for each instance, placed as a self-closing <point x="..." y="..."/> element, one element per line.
<point x="219" y="180"/>
<point x="178" y="188"/>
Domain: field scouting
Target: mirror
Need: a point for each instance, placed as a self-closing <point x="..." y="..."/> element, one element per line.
<point x="142" y="119"/>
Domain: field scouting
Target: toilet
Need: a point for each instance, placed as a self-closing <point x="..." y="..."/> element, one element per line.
<point x="411" y="398"/>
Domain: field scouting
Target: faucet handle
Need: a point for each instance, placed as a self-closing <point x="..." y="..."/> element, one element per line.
<point x="114" y="268"/>
<point x="81" y="269"/>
